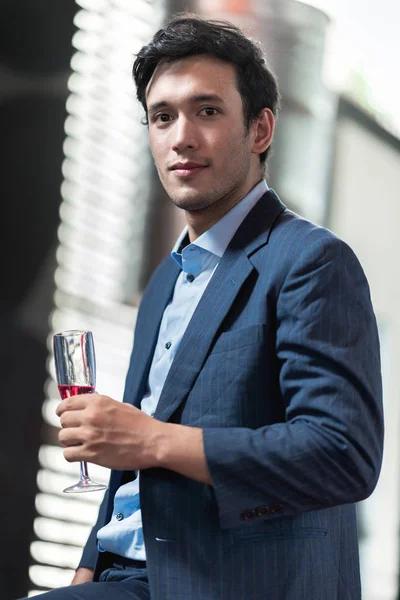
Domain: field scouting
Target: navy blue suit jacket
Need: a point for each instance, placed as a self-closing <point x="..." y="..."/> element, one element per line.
<point x="280" y="367"/>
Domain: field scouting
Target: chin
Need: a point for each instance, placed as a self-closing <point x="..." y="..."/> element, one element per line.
<point x="189" y="202"/>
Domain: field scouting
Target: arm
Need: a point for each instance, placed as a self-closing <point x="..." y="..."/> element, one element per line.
<point x="329" y="450"/>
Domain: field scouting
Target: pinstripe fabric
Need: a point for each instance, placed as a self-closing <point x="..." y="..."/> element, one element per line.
<point x="198" y="261"/>
<point x="280" y="367"/>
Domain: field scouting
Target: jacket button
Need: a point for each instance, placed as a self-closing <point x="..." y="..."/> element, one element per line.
<point x="262" y="511"/>
<point x="119" y="516"/>
<point x="247" y="515"/>
<point x="275" y="508"/>
<point x="190" y="277"/>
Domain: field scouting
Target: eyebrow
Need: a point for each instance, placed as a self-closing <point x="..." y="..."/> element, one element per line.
<point x="194" y="99"/>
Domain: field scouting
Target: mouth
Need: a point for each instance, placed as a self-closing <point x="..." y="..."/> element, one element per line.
<point x="187" y="169"/>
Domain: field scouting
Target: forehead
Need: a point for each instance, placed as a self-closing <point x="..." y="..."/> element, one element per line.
<point x="183" y="78"/>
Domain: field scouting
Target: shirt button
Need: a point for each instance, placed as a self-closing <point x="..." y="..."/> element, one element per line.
<point x="119" y="516"/>
<point x="168" y="345"/>
<point x="190" y="278"/>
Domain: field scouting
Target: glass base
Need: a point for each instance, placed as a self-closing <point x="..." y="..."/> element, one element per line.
<point x="85" y="485"/>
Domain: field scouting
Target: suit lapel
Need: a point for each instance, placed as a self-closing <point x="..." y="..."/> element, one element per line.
<point x="154" y="302"/>
<point x="257" y="226"/>
<point x="219" y="295"/>
<point x="234" y="268"/>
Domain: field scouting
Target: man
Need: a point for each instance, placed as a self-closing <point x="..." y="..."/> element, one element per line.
<point x="255" y="365"/>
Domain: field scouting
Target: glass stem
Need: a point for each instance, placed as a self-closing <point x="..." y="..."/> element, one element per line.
<point x="84" y="470"/>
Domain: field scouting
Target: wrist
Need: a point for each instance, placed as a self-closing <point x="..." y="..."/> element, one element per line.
<point x="180" y="448"/>
<point x="162" y="444"/>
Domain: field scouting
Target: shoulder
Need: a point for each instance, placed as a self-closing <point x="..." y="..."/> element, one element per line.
<point x="297" y="229"/>
<point x="317" y="263"/>
<point x="300" y="238"/>
<point x="299" y="251"/>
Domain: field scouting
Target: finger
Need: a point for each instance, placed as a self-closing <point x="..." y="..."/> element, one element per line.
<point x="73" y="436"/>
<point x="71" y="418"/>
<point x="78" y="453"/>
<point x="74" y="403"/>
<point x="74" y="454"/>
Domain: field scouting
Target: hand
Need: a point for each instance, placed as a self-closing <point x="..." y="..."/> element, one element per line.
<point x="109" y="433"/>
<point x="117" y="435"/>
<point x="82" y="575"/>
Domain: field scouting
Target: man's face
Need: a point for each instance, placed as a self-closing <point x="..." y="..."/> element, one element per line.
<point x="199" y="142"/>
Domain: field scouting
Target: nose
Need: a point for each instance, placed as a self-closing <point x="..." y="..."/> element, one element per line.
<point x="185" y="135"/>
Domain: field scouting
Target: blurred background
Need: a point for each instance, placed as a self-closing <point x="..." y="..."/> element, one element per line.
<point x="85" y="222"/>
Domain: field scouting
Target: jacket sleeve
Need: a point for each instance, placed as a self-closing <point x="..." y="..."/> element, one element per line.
<point x="329" y="449"/>
<point x="89" y="555"/>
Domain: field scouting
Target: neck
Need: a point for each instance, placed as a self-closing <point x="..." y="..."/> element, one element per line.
<point x="199" y="221"/>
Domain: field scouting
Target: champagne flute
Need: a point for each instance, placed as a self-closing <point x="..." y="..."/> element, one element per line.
<point x="76" y="374"/>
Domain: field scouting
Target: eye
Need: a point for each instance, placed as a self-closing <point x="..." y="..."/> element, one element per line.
<point x="209" y="111"/>
<point x="162" y="118"/>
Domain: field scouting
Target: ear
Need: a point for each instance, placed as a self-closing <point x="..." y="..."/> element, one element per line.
<point x="264" y="128"/>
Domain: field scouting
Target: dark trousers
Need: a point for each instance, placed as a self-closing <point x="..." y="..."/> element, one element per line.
<point x="118" y="583"/>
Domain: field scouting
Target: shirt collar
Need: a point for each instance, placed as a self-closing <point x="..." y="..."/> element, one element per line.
<point x="216" y="239"/>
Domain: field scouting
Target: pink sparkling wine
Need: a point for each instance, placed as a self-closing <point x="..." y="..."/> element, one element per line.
<point x="74" y="390"/>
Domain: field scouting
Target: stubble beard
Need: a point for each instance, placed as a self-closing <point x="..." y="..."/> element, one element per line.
<point x="217" y="190"/>
<point x="196" y="201"/>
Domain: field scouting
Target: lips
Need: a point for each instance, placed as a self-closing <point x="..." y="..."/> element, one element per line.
<point x="185" y="169"/>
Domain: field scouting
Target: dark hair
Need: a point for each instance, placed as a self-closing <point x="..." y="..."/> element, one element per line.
<point x="187" y="35"/>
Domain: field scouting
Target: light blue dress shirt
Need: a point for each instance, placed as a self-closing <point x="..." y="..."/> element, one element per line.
<point x="123" y="535"/>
